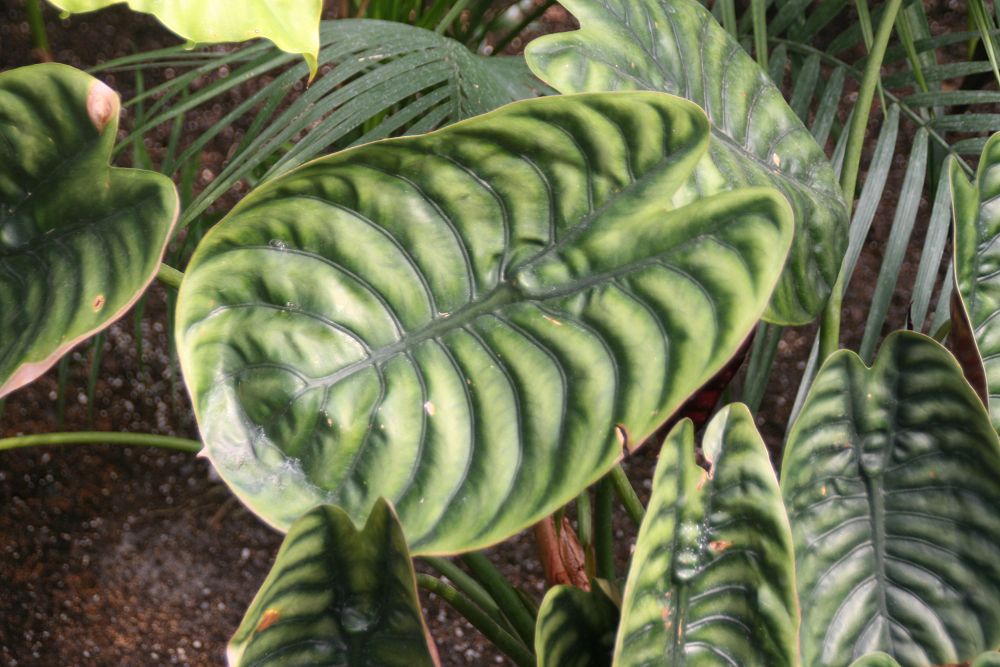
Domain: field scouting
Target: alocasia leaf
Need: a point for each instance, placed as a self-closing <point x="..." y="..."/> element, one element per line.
<point x="575" y="628"/>
<point x="890" y="480"/>
<point x="293" y="25"/>
<point x="79" y="240"/>
<point x="472" y="322"/>
<point x="712" y="580"/>
<point x="337" y="596"/>
<point x="977" y="266"/>
<point x="676" y="46"/>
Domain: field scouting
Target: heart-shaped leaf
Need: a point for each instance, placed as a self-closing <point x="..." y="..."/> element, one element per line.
<point x="892" y="483"/>
<point x="473" y="321"/>
<point x="576" y="628"/>
<point x="79" y="240"/>
<point x="676" y="46"/>
<point x="337" y="596"/>
<point x="977" y="265"/>
<point x="711" y="580"/>
<point x="293" y="25"/>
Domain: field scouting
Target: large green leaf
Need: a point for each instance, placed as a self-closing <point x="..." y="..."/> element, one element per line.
<point x="293" y="25"/>
<point x="337" y="596"/>
<point x="677" y="47"/>
<point x="892" y="482"/>
<point x="977" y="261"/>
<point x="79" y="241"/>
<point x="474" y="321"/>
<point x="877" y="659"/>
<point x="576" y="628"/>
<point x="712" y="580"/>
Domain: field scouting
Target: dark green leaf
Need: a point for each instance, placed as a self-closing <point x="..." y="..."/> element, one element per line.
<point x="472" y="322"/>
<point x="576" y="628"/>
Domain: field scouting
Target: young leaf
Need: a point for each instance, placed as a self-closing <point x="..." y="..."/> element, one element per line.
<point x="677" y="47"/>
<point x="474" y="321"/>
<point x="890" y="480"/>
<point x="79" y="240"/>
<point x="337" y="596"/>
<point x="977" y="263"/>
<point x="293" y="25"/>
<point x="576" y="628"/>
<point x="711" y="581"/>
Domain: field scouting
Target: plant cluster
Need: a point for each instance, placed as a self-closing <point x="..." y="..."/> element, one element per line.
<point x="497" y="286"/>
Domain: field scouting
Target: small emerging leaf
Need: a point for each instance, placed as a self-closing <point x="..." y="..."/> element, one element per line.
<point x="711" y="581"/>
<point x="337" y="596"/>
<point x="576" y="628"/>
<point x="79" y="240"/>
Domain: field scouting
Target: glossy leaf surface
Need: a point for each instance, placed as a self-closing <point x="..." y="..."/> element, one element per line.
<point x="470" y="322"/>
<point x="890" y="479"/>
<point x="676" y="46"/>
<point x="337" y="596"/>
<point x="976" y="207"/>
<point x="711" y="580"/>
<point x="293" y="25"/>
<point x="576" y="628"/>
<point x="79" y="240"/>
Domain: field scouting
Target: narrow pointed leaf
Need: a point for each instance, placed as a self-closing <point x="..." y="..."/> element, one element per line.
<point x="711" y="581"/>
<point x="293" y="25"/>
<point x="676" y="46"/>
<point x="79" y="240"/>
<point x="977" y="266"/>
<point x="470" y="322"/>
<point x="576" y="628"/>
<point x="337" y="596"/>
<point x="890" y="479"/>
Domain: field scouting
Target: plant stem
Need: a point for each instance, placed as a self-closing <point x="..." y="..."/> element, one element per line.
<point x="170" y="276"/>
<point x="627" y="495"/>
<point x="101" y="437"/>
<point x="493" y="632"/>
<point x="36" y="22"/>
<point x="506" y="597"/>
<point x="470" y="587"/>
<point x="604" y="538"/>
<point x="450" y="17"/>
<point x="584" y="520"/>
<point x="758" y="12"/>
<point x="829" y="335"/>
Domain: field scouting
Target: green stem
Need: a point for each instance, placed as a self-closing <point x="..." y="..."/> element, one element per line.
<point x="470" y="587"/>
<point x="170" y="276"/>
<point x="627" y="495"/>
<point x="493" y="632"/>
<point x="101" y="437"/>
<point x="450" y="17"/>
<point x="758" y="12"/>
<point x="36" y="22"/>
<point x="506" y="597"/>
<point x="829" y="335"/>
<point x="530" y="18"/>
<point x="584" y="520"/>
<point x="604" y="538"/>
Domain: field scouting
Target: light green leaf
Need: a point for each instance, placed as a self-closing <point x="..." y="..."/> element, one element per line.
<point x="293" y="25"/>
<point x="877" y="659"/>
<point x="470" y="322"/>
<point x="990" y="659"/>
<point x="976" y="208"/>
<point x="79" y="241"/>
<point x="337" y="596"/>
<point x="891" y="482"/>
<point x="677" y="47"/>
<point x="712" y="580"/>
<point x="576" y="628"/>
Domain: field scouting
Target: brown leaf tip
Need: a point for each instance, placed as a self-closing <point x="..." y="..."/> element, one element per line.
<point x="102" y="105"/>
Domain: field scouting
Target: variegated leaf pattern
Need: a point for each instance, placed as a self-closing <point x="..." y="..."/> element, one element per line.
<point x="676" y="46"/>
<point x="711" y="580"/>
<point x="890" y="480"/>
<point x="576" y="628"/>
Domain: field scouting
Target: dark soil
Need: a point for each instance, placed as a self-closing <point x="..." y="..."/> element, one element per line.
<point x="131" y="556"/>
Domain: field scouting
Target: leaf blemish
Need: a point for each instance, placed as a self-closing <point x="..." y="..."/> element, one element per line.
<point x="98" y="303"/>
<point x="718" y="546"/>
<point x="268" y="619"/>
<point x="102" y="105"/>
<point x="429" y="409"/>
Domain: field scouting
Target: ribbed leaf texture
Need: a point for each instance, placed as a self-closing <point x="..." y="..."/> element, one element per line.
<point x="676" y="46"/>
<point x="470" y="323"/>
<point x="575" y="628"/>
<point x="976" y="207"/>
<point x="79" y="241"/>
<point x="891" y="483"/>
<point x="337" y="596"/>
<point x="291" y="24"/>
<point x="711" y="580"/>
